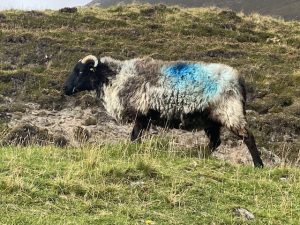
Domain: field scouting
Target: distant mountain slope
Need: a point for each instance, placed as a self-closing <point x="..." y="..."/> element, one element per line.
<point x="287" y="9"/>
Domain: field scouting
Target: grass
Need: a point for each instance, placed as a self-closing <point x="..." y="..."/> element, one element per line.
<point x="139" y="184"/>
<point x="150" y="183"/>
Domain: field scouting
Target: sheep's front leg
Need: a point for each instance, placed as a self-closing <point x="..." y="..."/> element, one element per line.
<point x="98" y="92"/>
<point x="213" y="133"/>
<point x="141" y="124"/>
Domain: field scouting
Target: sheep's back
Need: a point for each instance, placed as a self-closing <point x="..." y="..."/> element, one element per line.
<point x="186" y="87"/>
<point x="172" y="88"/>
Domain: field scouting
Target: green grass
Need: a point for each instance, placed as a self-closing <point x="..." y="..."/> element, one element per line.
<point x="139" y="184"/>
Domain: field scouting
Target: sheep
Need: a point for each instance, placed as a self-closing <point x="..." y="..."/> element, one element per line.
<point x="175" y="94"/>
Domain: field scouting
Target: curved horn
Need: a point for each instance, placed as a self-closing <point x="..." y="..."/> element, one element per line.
<point x="90" y="58"/>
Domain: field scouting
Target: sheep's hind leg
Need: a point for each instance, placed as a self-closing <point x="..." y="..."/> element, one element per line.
<point x="213" y="133"/>
<point x="141" y="124"/>
<point x="231" y="114"/>
<point x="248" y="138"/>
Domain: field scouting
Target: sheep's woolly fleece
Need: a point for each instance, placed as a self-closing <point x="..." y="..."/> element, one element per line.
<point x="173" y="89"/>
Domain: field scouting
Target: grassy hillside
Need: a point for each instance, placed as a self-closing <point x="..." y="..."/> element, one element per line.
<point x="288" y="9"/>
<point x="143" y="184"/>
<point x="153" y="182"/>
<point x="38" y="49"/>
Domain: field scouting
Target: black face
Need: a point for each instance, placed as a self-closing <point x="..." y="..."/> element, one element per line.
<point x="84" y="77"/>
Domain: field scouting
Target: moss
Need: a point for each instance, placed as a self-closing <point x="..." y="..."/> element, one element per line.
<point x="228" y="15"/>
<point x="271" y="103"/>
<point x="39" y="69"/>
<point x="17" y="107"/>
<point x="12" y="108"/>
<point x="50" y="99"/>
<point x="60" y="141"/>
<point x="285" y="100"/>
<point x="18" y="82"/>
<point x="27" y="134"/>
<point x="275" y="109"/>
<point x="19" y="38"/>
<point x="274" y="128"/>
<point x="87" y="101"/>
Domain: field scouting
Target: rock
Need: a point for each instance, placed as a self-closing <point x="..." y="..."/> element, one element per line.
<point x="137" y="183"/>
<point x="270" y="158"/>
<point x="240" y="154"/>
<point x="90" y="121"/>
<point x="244" y="213"/>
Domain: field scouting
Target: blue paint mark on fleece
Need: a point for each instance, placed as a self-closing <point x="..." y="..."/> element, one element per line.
<point x="184" y="76"/>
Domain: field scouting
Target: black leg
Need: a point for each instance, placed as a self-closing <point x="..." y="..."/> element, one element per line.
<point x="98" y="92"/>
<point x="213" y="133"/>
<point x="250" y="142"/>
<point x="141" y="124"/>
<point x="248" y="138"/>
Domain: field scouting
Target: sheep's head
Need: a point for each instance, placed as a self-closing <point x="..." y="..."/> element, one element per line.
<point x="88" y="74"/>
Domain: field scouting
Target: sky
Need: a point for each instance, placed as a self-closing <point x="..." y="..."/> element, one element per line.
<point x="40" y="4"/>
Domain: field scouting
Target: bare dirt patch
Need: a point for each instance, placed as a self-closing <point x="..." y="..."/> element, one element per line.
<point x="79" y="124"/>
